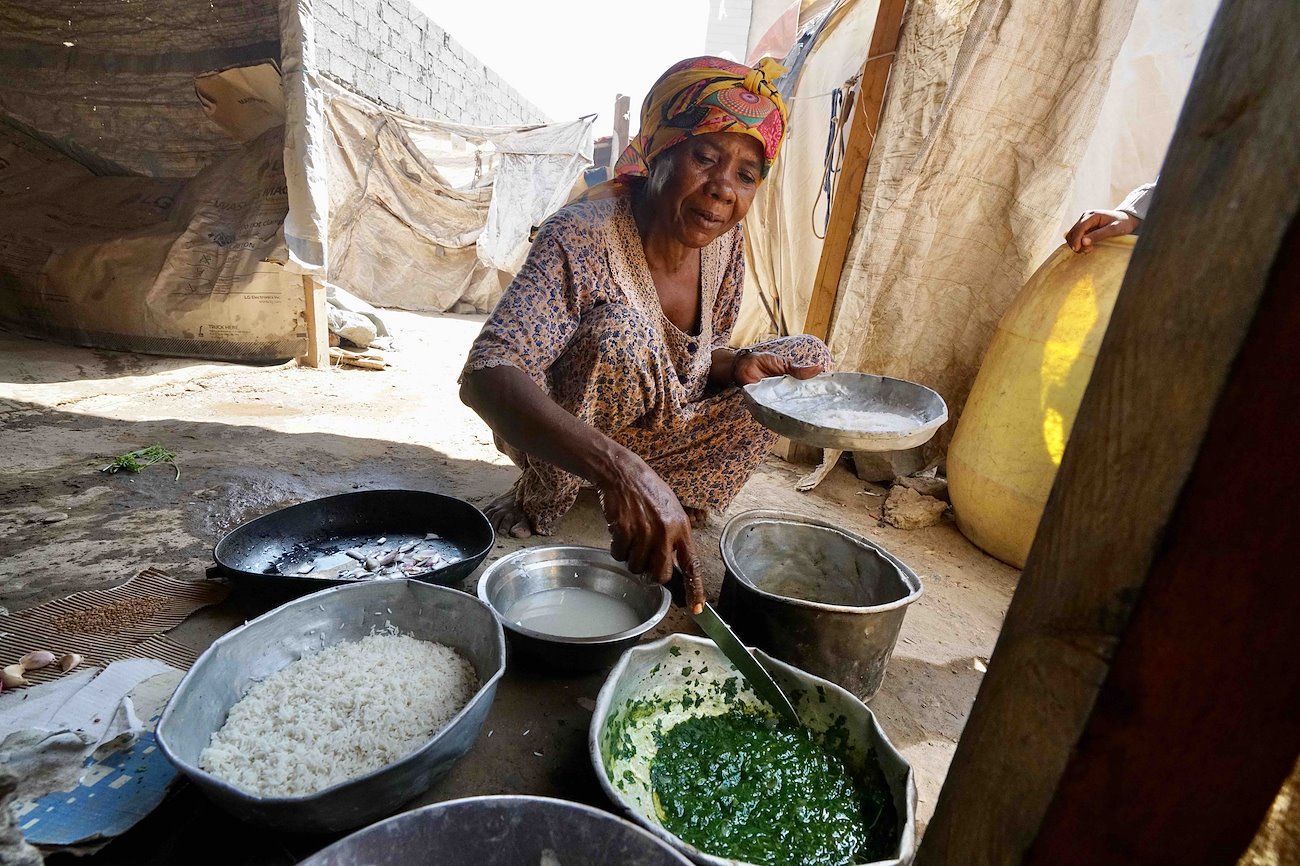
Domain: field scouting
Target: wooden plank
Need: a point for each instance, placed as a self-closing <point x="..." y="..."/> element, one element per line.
<point x="1228" y="197"/>
<point x="1207" y="666"/>
<point x="861" y="135"/>
<point x="622" y="120"/>
<point x="318" y="334"/>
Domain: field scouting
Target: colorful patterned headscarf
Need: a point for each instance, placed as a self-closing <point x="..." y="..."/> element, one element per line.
<point x="697" y="97"/>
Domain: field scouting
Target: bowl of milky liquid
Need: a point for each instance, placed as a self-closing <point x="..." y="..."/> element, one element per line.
<point x="571" y="608"/>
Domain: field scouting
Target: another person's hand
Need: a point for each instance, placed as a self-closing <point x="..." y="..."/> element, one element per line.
<point x="1096" y="225"/>
<point x="752" y="367"/>
<point x="649" y="528"/>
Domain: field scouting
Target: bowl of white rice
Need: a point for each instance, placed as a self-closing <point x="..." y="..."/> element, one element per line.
<point x="333" y="710"/>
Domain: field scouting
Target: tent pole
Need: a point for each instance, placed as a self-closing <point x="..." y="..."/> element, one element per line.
<point x="318" y="333"/>
<point x="857" y="152"/>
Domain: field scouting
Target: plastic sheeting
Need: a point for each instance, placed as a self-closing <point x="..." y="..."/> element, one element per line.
<point x="947" y="235"/>
<point x="306" y="140"/>
<point x="130" y="218"/>
<point x="112" y="84"/>
<point x="434" y="216"/>
<point x="786" y="223"/>
<point x="977" y="168"/>
<point x="1141" y="106"/>
<point x="156" y="265"/>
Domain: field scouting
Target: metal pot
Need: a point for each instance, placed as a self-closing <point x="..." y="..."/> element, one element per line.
<point x="817" y="596"/>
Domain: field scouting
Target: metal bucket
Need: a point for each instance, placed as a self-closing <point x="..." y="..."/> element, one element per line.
<point x="817" y="596"/>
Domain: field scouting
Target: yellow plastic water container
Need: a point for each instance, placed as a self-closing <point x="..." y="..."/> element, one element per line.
<point x="1017" y="420"/>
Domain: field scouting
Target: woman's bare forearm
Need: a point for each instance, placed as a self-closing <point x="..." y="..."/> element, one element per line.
<point x="722" y="369"/>
<point x="522" y="414"/>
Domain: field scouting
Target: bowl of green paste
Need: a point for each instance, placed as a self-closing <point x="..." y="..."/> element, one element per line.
<point x="684" y="746"/>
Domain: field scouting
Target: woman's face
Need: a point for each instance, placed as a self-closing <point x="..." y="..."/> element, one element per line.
<point x="701" y="188"/>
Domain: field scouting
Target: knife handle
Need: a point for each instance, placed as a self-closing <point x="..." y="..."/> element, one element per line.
<point x="677" y="587"/>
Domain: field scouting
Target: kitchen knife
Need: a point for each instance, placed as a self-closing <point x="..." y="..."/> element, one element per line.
<point x="737" y="653"/>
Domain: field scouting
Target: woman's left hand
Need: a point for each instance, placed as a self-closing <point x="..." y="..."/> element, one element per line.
<point x="752" y="366"/>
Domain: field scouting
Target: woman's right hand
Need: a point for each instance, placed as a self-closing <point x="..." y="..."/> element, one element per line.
<point x="649" y="528"/>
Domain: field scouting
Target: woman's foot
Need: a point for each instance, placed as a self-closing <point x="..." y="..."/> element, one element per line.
<point x="507" y="517"/>
<point x="699" y="517"/>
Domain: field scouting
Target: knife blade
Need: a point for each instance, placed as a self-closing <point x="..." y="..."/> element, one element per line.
<point x="736" y="652"/>
<point x="739" y="655"/>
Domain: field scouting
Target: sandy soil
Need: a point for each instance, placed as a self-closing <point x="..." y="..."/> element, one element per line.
<point x="251" y="440"/>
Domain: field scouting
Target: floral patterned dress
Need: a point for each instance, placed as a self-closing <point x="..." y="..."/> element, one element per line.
<point x="583" y="320"/>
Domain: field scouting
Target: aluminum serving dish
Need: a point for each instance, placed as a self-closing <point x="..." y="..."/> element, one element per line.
<point x="660" y="674"/>
<point x="341" y="614"/>
<point x="799" y="408"/>
<point x="815" y="595"/>
<point x="500" y="831"/>
<point x="556" y="566"/>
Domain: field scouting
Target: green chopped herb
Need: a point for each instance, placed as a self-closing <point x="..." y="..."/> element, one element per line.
<point x="135" y="461"/>
<point x="738" y="787"/>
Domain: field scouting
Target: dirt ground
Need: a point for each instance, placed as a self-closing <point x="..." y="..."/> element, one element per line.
<point x="251" y="440"/>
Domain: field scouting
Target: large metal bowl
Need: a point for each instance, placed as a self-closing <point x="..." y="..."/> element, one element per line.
<point x="343" y="614"/>
<point x="804" y="410"/>
<point x="500" y="831"/>
<point x="557" y="566"/>
<point x="644" y="696"/>
<point x="815" y="595"/>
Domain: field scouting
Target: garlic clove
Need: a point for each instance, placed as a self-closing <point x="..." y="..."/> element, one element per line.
<point x="68" y="661"/>
<point x="34" y="661"/>
<point x="12" y="676"/>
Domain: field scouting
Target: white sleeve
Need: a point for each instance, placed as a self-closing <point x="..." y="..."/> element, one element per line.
<point x="1139" y="200"/>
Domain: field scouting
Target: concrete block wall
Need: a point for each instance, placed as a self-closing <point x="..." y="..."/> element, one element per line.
<point x="389" y="52"/>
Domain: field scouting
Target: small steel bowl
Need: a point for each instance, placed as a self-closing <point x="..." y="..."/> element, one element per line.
<point x="644" y="696"/>
<point x="342" y="614"/>
<point x="501" y="831"/>
<point x="558" y="566"/>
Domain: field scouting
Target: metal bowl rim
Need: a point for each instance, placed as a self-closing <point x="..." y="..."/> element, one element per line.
<point x="488" y="533"/>
<point x="665" y="601"/>
<point x="582" y="808"/>
<point x="486" y="691"/>
<point x="765" y="515"/>
<point x="907" y="839"/>
<point x="850" y="440"/>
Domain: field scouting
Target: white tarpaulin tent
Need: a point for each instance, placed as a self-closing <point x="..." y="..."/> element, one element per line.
<point x="434" y="216"/>
<point x="165" y="181"/>
<point x="1002" y="121"/>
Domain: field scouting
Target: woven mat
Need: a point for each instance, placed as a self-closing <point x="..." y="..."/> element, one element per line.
<point x="107" y="625"/>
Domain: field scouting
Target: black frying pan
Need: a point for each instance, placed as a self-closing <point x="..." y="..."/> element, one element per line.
<point x="253" y="554"/>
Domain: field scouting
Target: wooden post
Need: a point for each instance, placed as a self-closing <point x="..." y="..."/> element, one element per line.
<point x="1139" y="706"/>
<point x="318" y="332"/>
<point x="857" y="152"/>
<point x="622" y="107"/>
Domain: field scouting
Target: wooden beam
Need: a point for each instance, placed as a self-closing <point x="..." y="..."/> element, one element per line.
<point x="622" y="121"/>
<point x="1134" y="664"/>
<point x="863" y="124"/>
<point x="318" y="332"/>
<point x="1196" y="726"/>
